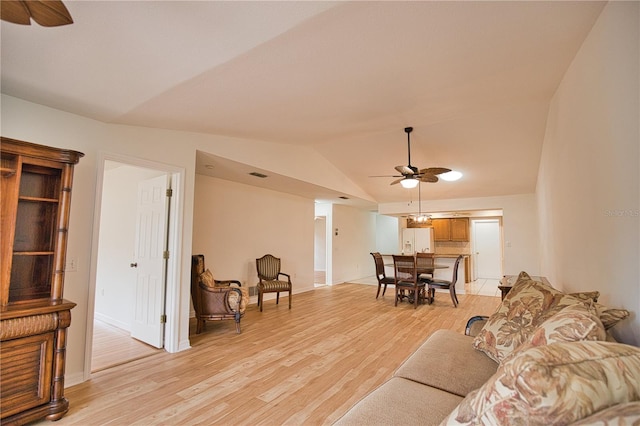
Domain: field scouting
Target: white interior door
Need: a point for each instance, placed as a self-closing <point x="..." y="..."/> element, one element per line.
<point x="150" y="262"/>
<point x="487" y="248"/>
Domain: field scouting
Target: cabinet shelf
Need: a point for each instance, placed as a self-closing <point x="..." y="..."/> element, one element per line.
<point x="38" y="199"/>
<point x="33" y="253"/>
<point x="7" y="171"/>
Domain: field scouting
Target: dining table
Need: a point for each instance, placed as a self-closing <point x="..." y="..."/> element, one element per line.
<point x="421" y="270"/>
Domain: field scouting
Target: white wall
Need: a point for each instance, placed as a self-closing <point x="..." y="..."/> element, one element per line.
<point x="115" y="279"/>
<point x="237" y="223"/>
<point x="387" y="234"/>
<point x="351" y="247"/>
<point x="520" y="225"/>
<point x="589" y="184"/>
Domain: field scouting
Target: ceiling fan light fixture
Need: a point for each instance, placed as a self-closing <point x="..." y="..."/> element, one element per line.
<point x="451" y="176"/>
<point x="409" y="183"/>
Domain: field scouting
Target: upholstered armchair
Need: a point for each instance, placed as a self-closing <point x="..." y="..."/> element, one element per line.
<point x="215" y="300"/>
<point x="271" y="280"/>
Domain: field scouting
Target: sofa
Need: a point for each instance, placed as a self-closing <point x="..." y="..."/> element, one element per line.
<point x="544" y="357"/>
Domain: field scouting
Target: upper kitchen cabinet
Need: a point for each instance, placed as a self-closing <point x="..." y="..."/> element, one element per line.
<point x="456" y="229"/>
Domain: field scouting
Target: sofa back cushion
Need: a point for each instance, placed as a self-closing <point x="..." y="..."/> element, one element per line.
<point x="559" y="383"/>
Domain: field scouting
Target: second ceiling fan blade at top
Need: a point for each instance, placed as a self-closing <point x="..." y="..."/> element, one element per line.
<point x="48" y="13"/>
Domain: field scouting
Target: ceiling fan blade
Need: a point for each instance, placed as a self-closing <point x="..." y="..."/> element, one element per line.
<point x="435" y="170"/>
<point x="404" y="170"/>
<point x="397" y="181"/>
<point x="48" y="13"/>
<point x="426" y="177"/>
<point x="15" y="12"/>
<point x="387" y="176"/>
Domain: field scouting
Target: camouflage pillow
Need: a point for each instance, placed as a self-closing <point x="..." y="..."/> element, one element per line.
<point x="207" y="278"/>
<point x="526" y="306"/>
<point x="611" y="316"/>
<point x="619" y="414"/>
<point x="233" y="299"/>
<point x="559" y="383"/>
<point x="572" y="324"/>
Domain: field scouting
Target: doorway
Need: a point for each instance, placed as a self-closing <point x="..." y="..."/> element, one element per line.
<point x="487" y="248"/>
<point x="114" y="302"/>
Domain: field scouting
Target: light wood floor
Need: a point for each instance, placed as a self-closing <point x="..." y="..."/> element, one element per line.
<point x="306" y="365"/>
<point x="113" y="346"/>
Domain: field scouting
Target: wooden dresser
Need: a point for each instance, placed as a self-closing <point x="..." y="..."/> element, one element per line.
<point x="34" y="317"/>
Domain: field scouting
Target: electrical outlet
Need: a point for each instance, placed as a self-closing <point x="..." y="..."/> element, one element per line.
<point x="72" y="265"/>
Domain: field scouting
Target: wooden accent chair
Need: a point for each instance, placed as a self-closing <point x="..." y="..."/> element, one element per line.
<point x="434" y="284"/>
<point x="215" y="300"/>
<point x="383" y="280"/>
<point x="406" y="279"/>
<point x="268" y="268"/>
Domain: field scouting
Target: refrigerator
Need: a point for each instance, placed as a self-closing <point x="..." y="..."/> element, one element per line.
<point x="416" y="240"/>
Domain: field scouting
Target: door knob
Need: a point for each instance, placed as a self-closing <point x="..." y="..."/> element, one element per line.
<point x="134" y="265"/>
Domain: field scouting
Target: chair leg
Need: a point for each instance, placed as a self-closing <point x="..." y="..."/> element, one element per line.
<point x="260" y="301"/>
<point x="378" y="293"/>
<point x="289" y="298"/>
<point x="277" y="298"/>
<point x="396" y="304"/>
<point x="384" y="290"/>
<point x="452" y="292"/>
<point x="237" y="318"/>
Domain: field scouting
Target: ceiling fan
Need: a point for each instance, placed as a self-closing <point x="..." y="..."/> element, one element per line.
<point x="48" y="13"/>
<point x="410" y="175"/>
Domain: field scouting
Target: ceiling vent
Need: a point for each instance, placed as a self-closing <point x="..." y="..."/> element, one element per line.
<point x="256" y="174"/>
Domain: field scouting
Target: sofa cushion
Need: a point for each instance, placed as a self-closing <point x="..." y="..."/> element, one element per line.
<point x="401" y="402"/>
<point x="526" y="306"/>
<point x="555" y="384"/>
<point x="447" y="361"/>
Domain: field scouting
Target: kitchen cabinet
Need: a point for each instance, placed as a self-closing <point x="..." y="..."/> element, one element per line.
<point x="456" y="229"/>
<point x="36" y="186"/>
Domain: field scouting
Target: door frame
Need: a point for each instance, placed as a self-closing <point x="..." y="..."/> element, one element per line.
<point x="172" y="287"/>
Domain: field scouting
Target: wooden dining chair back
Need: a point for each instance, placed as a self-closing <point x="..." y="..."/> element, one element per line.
<point x="407" y="280"/>
<point x="434" y="284"/>
<point x="381" y="275"/>
<point x="271" y="280"/>
<point x="425" y="263"/>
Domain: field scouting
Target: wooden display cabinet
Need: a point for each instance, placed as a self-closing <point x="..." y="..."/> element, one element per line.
<point x="36" y="186"/>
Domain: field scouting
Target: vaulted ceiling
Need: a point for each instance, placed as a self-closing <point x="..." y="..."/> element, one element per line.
<point x="474" y="79"/>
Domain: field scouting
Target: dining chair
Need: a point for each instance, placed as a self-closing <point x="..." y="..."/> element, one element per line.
<point x="381" y="275"/>
<point x="434" y="284"/>
<point x="406" y="278"/>
<point x="425" y="263"/>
